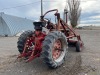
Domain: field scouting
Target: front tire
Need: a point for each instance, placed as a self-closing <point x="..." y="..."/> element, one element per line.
<point x="54" y="49"/>
<point x="22" y="39"/>
<point x="79" y="46"/>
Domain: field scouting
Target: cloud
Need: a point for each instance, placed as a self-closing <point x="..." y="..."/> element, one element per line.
<point x="33" y="13"/>
<point x="90" y="6"/>
<point x="23" y="11"/>
<point x="90" y="9"/>
<point x="89" y="24"/>
<point x="90" y="21"/>
<point x="90" y="12"/>
<point x="95" y="17"/>
<point x="60" y="5"/>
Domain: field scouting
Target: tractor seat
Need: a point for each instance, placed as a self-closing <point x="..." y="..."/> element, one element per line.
<point x="39" y="24"/>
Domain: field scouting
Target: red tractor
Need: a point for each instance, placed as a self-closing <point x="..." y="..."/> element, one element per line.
<point x="51" y="44"/>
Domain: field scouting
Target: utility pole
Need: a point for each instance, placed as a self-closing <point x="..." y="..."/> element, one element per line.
<point x="66" y="12"/>
<point x="41" y="7"/>
<point x="65" y="15"/>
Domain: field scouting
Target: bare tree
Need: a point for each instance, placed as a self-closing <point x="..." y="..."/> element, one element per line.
<point x="74" y="12"/>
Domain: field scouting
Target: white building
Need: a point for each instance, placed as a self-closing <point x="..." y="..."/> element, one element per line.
<point x="11" y="25"/>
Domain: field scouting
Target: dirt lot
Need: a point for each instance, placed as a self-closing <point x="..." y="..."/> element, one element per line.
<point x="86" y="62"/>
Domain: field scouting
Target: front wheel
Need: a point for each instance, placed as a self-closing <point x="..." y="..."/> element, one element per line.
<point x="79" y="46"/>
<point x="22" y="40"/>
<point x="54" y="49"/>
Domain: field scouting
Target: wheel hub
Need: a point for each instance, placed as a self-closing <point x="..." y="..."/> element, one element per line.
<point x="29" y="43"/>
<point x="57" y="49"/>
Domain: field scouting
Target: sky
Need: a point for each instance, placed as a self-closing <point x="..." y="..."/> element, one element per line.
<point x="31" y="9"/>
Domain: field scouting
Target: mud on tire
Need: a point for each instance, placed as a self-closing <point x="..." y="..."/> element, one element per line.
<point x="22" y="40"/>
<point x="48" y="47"/>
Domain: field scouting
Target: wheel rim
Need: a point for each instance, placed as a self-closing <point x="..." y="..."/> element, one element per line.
<point x="57" y="49"/>
<point x="29" y="44"/>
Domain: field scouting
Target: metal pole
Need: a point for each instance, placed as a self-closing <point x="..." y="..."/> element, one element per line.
<point x="41" y="7"/>
<point x="65" y="14"/>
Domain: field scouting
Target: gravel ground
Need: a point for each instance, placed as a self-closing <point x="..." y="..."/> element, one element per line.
<point x="86" y="62"/>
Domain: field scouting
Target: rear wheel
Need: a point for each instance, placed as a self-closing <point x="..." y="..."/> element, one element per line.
<point x="54" y="49"/>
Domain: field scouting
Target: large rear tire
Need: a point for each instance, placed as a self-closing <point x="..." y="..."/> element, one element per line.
<point x="22" y="40"/>
<point x="55" y="49"/>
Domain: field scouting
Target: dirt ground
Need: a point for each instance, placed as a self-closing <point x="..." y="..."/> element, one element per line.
<point x="86" y="62"/>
